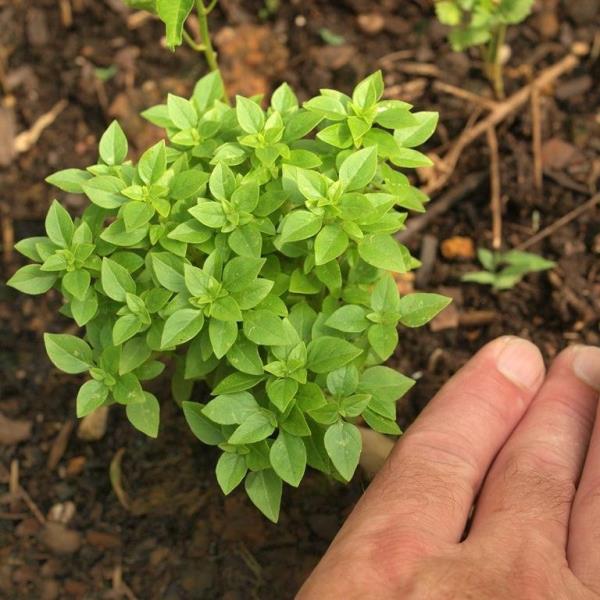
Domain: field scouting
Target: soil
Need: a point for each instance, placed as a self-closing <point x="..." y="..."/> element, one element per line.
<point x="180" y="538"/>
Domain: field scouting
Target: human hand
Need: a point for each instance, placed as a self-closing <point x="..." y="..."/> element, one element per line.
<point x="522" y="447"/>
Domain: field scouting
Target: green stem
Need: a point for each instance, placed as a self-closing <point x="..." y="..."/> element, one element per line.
<point x="493" y="60"/>
<point x="187" y="38"/>
<point x="209" y="52"/>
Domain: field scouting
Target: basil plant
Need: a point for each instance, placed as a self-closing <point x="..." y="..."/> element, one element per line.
<point x="252" y="251"/>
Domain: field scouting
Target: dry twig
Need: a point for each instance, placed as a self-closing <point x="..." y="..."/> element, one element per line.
<point x="536" y="130"/>
<point x="25" y="140"/>
<point x="458" y="92"/>
<point x="500" y="113"/>
<point x="495" y="191"/>
<point x="565" y="220"/>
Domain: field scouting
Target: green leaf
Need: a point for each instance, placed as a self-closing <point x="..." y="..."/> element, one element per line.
<point x="264" y="328"/>
<point x="256" y="427"/>
<point x="343" y="382"/>
<point x="349" y="319"/>
<point x="284" y="99"/>
<point x="244" y="356"/>
<point x="69" y="180"/>
<point x="246" y="241"/>
<point x="77" y="283"/>
<point x="418" y="309"/>
<point x="288" y="458"/>
<point x="128" y="390"/>
<point x="231" y="409"/>
<point x="384" y="383"/>
<point x="237" y="382"/>
<point x="30" y="279"/>
<point x="59" y="225"/>
<point x="281" y="392"/>
<point x="205" y="430"/>
<point x="249" y="115"/>
<point x="240" y="272"/>
<point x="113" y="145"/>
<point x="415" y="135"/>
<point x="343" y="445"/>
<point x="153" y="163"/>
<point x="104" y="191"/>
<point x="136" y="214"/>
<point x="368" y="91"/>
<point x="181" y="112"/>
<point x="384" y="252"/>
<point x="145" y="416"/>
<point x="383" y="339"/>
<point x="222" y="182"/>
<point x="385" y="297"/>
<point x="264" y="489"/>
<point x="67" y="352"/>
<point x="410" y="159"/>
<point x="173" y="14"/>
<point x="328" y="353"/>
<point x="327" y="106"/>
<point x="85" y="310"/>
<point x="223" y="335"/>
<point x="116" y="281"/>
<point x="207" y="90"/>
<point x="169" y="271"/>
<point x="396" y="118"/>
<point x="182" y="326"/>
<point x="133" y="354"/>
<point x="125" y="328"/>
<point x="358" y="169"/>
<point x="92" y="394"/>
<point x="299" y="225"/>
<point x="330" y="243"/>
<point x="231" y="470"/>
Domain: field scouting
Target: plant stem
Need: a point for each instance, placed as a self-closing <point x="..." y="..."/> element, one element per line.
<point x="189" y="40"/>
<point x="206" y="43"/>
<point x="493" y="60"/>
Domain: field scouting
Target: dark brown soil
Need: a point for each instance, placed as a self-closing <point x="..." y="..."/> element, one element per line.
<point x="181" y="539"/>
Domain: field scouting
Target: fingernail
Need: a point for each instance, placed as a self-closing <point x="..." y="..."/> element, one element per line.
<point x="520" y="361"/>
<point x="586" y="365"/>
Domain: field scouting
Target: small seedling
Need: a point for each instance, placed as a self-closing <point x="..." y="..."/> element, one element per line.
<point x="252" y="250"/>
<point x="483" y="23"/>
<point x="503" y="270"/>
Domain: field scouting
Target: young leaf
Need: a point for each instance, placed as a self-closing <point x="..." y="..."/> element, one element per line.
<point x="249" y="115"/>
<point x="415" y="135"/>
<point x="299" y="225"/>
<point x="231" y="409"/>
<point x="330" y="243"/>
<point x="204" y="429"/>
<point x="222" y="336"/>
<point x="384" y="383"/>
<point x="288" y="458"/>
<point x="92" y="394"/>
<point x="343" y="444"/>
<point x="384" y="252"/>
<point x="69" y="180"/>
<point x="59" y="225"/>
<point x="30" y="279"/>
<point x="258" y="426"/>
<point x="181" y="112"/>
<point x="113" y="145"/>
<point x="349" y="319"/>
<point x="182" y="326"/>
<point x="328" y="353"/>
<point x="116" y="281"/>
<point x="145" y="416"/>
<point x="264" y="489"/>
<point x="231" y="470"/>
<point x="264" y="328"/>
<point x="418" y="309"/>
<point x="173" y="14"/>
<point x="358" y="169"/>
<point x="67" y="352"/>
